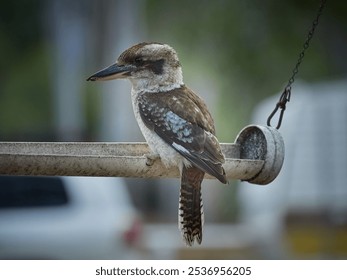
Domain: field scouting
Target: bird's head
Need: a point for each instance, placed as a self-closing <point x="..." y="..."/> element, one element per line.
<point x="149" y="66"/>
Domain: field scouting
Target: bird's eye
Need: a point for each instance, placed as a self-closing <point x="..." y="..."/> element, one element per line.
<point x="138" y="60"/>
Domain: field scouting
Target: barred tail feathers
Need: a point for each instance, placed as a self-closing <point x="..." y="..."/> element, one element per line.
<point x="191" y="215"/>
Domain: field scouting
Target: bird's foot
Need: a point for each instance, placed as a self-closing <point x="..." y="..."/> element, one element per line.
<point x="151" y="158"/>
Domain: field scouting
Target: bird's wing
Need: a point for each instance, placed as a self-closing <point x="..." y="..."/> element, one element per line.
<point x="181" y="123"/>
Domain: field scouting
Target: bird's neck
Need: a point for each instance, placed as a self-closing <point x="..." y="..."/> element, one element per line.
<point x="158" y="83"/>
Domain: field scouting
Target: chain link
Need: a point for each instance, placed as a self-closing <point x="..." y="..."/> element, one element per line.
<point x="285" y="96"/>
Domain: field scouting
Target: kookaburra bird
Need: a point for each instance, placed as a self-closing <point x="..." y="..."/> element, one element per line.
<point x="175" y="123"/>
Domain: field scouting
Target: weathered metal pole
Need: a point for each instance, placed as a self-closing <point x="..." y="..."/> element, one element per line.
<point x="256" y="157"/>
<point x="99" y="159"/>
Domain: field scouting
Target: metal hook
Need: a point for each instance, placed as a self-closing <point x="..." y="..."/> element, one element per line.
<point x="281" y="104"/>
<point x="285" y="96"/>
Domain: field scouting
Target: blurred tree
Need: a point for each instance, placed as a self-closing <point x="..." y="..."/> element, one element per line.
<point x="24" y="79"/>
<point x="250" y="47"/>
<point x="246" y="48"/>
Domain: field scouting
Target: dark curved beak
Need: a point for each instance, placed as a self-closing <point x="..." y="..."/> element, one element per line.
<point x="112" y="72"/>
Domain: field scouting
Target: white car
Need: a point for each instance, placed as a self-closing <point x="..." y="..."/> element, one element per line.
<point x="67" y="218"/>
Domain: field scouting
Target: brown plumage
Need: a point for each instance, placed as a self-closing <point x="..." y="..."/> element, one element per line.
<point x="200" y="147"/>
<point x="175" y="123"/>
<point x="189" y="112"/>
<point x="190" y="211"/>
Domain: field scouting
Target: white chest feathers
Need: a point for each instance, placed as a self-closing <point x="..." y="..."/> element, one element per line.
<point x="168" y="155"/>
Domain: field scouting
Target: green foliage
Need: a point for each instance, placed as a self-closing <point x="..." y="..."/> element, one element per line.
<point x="24" y="81"/>
<point x="24" y="95"/>
<point x="251" y="46"/>
<point x="247" y="48"/>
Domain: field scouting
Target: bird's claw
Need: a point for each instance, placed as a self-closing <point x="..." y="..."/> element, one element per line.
<point x="151" y="158"/>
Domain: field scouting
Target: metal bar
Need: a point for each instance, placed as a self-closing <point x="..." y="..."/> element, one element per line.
<point x="104" y="159"/>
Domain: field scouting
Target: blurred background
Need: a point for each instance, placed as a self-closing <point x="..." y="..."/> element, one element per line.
<point x="238" y="55"/>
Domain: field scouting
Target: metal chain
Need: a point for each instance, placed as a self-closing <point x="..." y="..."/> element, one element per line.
<point x="285" y="96"/>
